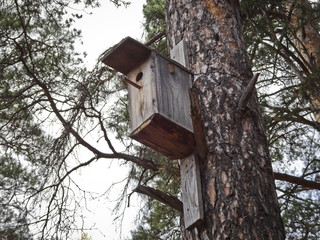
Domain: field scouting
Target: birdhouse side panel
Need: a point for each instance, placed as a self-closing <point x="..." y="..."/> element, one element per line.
<point x="172" y="88"/>
<point x="142" y="94"/>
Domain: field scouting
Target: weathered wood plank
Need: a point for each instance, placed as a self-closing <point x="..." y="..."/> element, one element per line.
<point x="126" y="55"/>
<point x="179" y="54"/>
<point x="172" y="92"/>
<point x="191" y="192"/>
<point x="143" y="100"/>
<point x="199" y="135"/>
<point x="189" y="169"/>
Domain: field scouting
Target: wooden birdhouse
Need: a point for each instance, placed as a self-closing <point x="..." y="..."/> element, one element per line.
<point x="158" y="98"/>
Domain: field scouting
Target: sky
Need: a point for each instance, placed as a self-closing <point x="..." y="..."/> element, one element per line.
<point x="102" y="28"/>
<point x="106" y="26"/>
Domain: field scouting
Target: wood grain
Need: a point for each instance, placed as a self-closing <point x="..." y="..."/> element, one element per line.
<point x="189" y="169"/>
<point x="160" y="106"/>
<point x="172" y="92"/>
<point x="143" y="100"/>
<point x="191" y="192"/>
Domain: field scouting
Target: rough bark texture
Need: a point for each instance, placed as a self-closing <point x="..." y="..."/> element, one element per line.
<point x="239" y="194"/>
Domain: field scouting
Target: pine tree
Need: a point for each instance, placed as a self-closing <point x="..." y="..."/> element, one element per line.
<point x="291" y="137"/>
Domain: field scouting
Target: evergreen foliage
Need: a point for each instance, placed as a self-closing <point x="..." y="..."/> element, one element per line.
<point x="45" y="95"/>
<point x="286" y="86"/>
<point x="154" y="25"/>
<point x="156" y="220"/>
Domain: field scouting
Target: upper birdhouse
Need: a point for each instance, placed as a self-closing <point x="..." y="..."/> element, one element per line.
<point x="158" y="98"/>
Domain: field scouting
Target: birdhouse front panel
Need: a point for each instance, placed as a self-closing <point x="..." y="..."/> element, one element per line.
<point x="142" y="93"/>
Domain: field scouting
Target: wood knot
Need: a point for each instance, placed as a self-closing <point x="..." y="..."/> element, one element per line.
<point x="170" y="68"/>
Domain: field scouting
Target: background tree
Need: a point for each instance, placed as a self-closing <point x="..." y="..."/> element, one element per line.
<point x="45" y="94"/>
<point x="273" y="36"/>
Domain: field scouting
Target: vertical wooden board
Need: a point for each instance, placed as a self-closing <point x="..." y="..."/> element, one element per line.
<point x="142" y="101"/>
<point x="191" y="192"/>
<point x="190" y="172"/>
<point x="173" y="84"/>
<point x="179" y="54"/>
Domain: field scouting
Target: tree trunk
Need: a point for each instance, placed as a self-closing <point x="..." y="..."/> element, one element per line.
<point x="238" y="187"/>
<point x="306" y="39"/>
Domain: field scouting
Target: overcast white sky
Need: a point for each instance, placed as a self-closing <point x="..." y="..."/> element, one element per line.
<point x="102" y="29"/>
<point x="108" y="25"/>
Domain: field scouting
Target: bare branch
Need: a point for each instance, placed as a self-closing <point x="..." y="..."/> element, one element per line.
<point x="155" y="38"/>
<point x="145" y="163"/>
<point x="297" y="180"/>
<point x="165" y="198"/>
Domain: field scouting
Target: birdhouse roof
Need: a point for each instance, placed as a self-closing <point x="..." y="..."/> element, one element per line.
<point x="127" y="55"/>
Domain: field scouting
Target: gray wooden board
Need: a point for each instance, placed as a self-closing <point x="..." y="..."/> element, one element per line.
<point x="189" y="169"/>
<point x="172" y="93"/>
<point x="142" y="102"/>
<point x="191" y="192"/>
<point x="179" y="54"/>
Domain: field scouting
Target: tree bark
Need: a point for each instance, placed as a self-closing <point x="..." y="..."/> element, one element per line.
<point x="239" y="194"/>
<point x="306" y="40"/>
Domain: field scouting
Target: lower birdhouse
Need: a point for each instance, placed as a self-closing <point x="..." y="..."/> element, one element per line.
<point x="158" y="98"/>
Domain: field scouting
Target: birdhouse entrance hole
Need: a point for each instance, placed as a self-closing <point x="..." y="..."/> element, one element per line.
<point x="139" y="76"/>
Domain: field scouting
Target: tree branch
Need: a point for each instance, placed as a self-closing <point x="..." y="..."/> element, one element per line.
<point x="155" y="38"/>
<point x="147" y="164"/>
<point x="298" y="119"/>
<point x="297" y="180"/>
<point x="165" y="198"/>
<point x="248" y="93"/>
